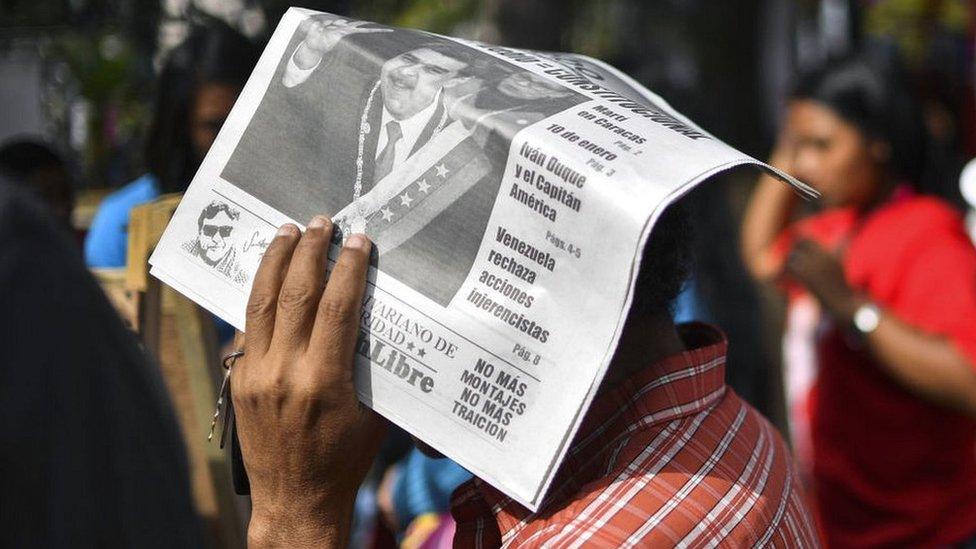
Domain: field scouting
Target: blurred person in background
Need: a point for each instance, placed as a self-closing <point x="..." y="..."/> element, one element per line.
<point x="880" y="342"/>
<point x="39" y="168"/>
<point x="90" y="451"/>
<point x="195" y="91"/>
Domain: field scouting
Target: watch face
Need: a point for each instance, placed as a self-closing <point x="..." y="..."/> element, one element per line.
<point x="866" y="318"/>
<point x="967" y="183"/>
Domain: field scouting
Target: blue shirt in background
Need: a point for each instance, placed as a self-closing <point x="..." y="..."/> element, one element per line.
<point x="425" y="485"/>
<point x="108" y="238"/>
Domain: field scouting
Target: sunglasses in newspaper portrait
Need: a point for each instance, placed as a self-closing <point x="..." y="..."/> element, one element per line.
<point x="215" y="243"/>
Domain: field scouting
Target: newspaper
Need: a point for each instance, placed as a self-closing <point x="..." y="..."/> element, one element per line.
<point x="508" y="193"/>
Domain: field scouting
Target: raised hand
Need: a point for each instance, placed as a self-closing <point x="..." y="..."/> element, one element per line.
<point x="306" y="440"/>
<point x="323" y="33"/>
<point x="822" y="274"/>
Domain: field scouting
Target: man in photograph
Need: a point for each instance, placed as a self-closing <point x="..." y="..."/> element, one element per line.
<point x="498" y="109"/>
<point x="401" y="111"/>
<point x="351" y="113"/>
<point x="214" y="243"/>
<point x="348" y="112"/>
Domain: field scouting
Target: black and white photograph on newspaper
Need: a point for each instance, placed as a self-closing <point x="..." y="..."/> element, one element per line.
<point x="416" y="164"/>
<point x="215" y="243"/>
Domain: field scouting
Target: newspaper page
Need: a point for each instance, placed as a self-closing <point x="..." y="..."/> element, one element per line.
<point x="508" y="195"/>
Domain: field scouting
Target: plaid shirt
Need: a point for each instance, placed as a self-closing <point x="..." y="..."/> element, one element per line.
<point x="669" y="457"/>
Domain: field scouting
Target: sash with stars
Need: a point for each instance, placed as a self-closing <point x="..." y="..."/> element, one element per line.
<point x="455" y="173"/>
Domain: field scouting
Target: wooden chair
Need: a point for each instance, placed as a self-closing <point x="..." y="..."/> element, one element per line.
<point x="125" y="301"/>
<point x="182" y="337"/>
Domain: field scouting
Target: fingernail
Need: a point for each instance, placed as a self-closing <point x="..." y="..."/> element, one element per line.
<point x="356" y="242"/>
<point x="286" y="229"/>
<point x="318" y="222"/>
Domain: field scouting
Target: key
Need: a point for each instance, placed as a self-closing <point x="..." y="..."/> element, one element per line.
<point x="219" y="411"/>
<point x="223" y="398"/>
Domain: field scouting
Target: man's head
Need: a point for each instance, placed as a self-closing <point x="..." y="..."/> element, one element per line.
<point x="529" y="86"/>
<point x="665" y="264"/>
<point x="42" y="170"/>
<point x="215" y="227"/>
<point x="412" y="80"/>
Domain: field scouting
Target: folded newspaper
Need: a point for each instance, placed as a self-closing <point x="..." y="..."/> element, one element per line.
<point x="509" y="194"/>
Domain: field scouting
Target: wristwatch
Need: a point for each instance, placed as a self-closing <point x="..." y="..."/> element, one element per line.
<point x="866" y="318"/>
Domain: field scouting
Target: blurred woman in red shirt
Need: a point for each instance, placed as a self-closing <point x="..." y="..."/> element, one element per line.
<point x="880" y="341"/>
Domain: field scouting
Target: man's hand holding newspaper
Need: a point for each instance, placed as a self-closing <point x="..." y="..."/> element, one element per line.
<point x="293" y="392"/>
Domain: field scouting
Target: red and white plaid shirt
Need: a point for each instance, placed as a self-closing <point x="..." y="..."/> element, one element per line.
<point x="670" y="457"/>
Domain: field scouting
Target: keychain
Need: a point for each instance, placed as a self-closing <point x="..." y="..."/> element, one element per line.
<point x="223" y="400"/>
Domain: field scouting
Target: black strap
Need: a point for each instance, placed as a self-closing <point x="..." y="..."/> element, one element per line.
<point x="242" y="484"/>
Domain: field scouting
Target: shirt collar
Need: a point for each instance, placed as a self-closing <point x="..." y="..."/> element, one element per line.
<point x="412" y="127"/>
<point x="681" y="385"/>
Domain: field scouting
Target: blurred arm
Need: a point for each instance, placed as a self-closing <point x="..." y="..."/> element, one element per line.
<point x="927" y="342"/>
<point x="930" y="366"/>
<point x="924" y="352"/>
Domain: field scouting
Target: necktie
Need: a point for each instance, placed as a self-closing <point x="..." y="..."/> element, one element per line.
<point x="384" y="162"/>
